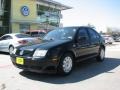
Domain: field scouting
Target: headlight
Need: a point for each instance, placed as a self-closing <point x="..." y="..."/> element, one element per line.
<point x="39" y="53"/>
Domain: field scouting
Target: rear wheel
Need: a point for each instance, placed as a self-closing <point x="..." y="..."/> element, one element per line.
<point x="11" y="49"/>
<point x="66" y="64"/>
<point x="101" y="55"/>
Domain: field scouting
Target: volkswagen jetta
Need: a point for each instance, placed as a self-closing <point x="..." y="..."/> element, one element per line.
<point x="58" y="50"/>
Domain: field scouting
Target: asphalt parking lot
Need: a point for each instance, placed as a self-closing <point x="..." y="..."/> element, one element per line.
<point x="88" y="75"/>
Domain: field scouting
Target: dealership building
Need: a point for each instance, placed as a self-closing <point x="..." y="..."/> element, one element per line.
<point x="23" y="15"/>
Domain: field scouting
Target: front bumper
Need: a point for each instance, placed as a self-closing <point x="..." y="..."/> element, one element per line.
<point x="41" y="65"/>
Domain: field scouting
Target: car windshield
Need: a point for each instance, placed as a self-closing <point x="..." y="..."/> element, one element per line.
<point x="22" y="36"/>
<point x="61" y="33"/>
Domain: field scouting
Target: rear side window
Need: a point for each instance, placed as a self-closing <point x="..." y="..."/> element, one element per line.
<point x="94" y="36"/>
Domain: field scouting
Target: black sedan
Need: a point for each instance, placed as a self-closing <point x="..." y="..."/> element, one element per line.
<point x="59" y="50"/>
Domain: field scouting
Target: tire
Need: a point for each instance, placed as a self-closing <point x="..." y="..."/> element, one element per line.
<point x="66" y="64"/>
<point x="101" y="55"/>
<point x="11" y="48"/>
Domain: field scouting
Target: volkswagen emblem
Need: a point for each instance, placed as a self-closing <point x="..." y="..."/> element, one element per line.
<point x="25" y="10"/>
<point x="21" y="52"/>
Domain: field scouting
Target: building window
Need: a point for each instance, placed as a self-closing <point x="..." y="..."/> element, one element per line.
<point x="1" y="7"/>
<point x="48" y="16"/>
<point x="24" y="28"/>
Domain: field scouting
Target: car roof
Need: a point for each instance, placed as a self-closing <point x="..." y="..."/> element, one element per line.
<point x="13" y="34"/>
<point x="78" y="27"/>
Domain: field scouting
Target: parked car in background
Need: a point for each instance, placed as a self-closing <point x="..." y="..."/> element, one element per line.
<point x="117" y="39"/>
<point x="108" y="39"/>
<point x="36" y="33"/>
<point x="9" y="41"/>
<point x="59" y="50"/>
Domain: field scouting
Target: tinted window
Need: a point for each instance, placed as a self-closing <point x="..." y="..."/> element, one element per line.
<point x="83" y="36"/>
<point x="94" y="35"/>
<point x="27" y="32"/>
<point x="34" y="34"/>
<point x="22" y="36"/>
<point x="37" y="34"/>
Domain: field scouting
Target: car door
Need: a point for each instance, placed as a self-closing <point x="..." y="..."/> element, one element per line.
<point x="82" y="45"/>
<point x="4" y="42"/>
<point x="94" y="41"/>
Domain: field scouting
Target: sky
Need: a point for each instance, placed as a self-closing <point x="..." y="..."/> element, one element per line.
<point x="99" y="13"/>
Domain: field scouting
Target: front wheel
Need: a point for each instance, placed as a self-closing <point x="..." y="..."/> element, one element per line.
<point x="11" y="49"/>
<point x="66" y="64"/>
<point x="101" y="55"/>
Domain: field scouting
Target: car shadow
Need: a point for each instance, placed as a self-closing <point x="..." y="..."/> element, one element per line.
<point x="83" y="71"/>
<point x="4" y="53"/>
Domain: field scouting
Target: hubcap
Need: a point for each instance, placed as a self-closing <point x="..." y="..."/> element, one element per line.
<point x="67" y="64"/>
<point x="102" y="54"/>
<point x="11" y="50"/>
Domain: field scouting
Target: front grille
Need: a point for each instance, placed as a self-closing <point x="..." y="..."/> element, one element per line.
<point x="24" y="53"/>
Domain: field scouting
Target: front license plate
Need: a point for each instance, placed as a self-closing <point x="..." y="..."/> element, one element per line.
<point x="20" y="61"/>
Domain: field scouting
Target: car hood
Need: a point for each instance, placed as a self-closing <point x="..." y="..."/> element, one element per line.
<point x="44" y="45"/>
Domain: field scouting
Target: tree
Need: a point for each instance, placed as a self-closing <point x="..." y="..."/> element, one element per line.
<point x="113" y="31"/>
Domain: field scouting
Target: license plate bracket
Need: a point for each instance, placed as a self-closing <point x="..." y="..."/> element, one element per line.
<point x="20" y="61"/>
